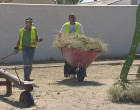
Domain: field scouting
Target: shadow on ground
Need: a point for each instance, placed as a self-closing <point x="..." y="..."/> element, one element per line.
<point x="4" y="98"/>
<point x="74" y="82"/>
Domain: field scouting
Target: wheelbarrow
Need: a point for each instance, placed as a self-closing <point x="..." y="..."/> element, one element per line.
<point x="79" y="58"/>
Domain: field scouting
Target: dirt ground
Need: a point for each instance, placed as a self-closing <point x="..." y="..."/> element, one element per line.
<point x="54" y="92"/>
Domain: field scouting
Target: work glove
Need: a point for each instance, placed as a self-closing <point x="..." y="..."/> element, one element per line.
<point x="16" y="49"/>
<point x="39" y="40"/>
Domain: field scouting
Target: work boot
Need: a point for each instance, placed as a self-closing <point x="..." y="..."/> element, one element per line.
<point x="28" y="79"/>
<point x="66" y="75"/>
<point x="72" y="76"/>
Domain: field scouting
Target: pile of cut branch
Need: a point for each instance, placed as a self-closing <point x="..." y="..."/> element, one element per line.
<point x="79" y="41"/>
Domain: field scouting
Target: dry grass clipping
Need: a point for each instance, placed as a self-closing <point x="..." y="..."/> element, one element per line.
<point x="79" y="41"/>
<point x="125" y="93"/>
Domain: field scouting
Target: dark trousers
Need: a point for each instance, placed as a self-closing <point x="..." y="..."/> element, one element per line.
<point x="68" y="69"/>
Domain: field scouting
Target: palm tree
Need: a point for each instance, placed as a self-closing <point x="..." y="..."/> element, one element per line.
<point x="68" y="1"/>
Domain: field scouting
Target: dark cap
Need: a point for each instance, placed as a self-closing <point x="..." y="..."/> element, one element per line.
<point x="29" y="19"/>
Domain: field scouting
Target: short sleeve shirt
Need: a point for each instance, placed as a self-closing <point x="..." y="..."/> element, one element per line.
<point x="72" y="28"/>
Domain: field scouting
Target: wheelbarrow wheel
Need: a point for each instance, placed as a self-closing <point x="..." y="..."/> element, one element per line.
<point x="26" y="98"/>
<point x="81" y="74"/>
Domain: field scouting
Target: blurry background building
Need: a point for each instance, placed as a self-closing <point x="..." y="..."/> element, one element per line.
<point x="6" y="1"/>
<point x="29" y="1"/>
<point x="110" y="2"/>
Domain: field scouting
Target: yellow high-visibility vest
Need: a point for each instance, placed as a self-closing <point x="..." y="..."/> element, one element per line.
<point x="67" y="24"/>
<point x="33" y="38"/>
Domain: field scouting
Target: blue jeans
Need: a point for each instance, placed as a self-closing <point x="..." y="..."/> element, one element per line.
<point x="28" y="55"/>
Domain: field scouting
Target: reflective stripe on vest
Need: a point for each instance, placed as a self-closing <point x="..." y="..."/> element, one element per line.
<point x="67" y="24"/>
<point x="33" y="38"/>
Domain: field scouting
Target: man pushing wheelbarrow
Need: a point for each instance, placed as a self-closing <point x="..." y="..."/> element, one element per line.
<point x="74" y="46"/>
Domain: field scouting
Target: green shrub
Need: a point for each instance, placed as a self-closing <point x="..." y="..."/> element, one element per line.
<point x="125" y="93"/>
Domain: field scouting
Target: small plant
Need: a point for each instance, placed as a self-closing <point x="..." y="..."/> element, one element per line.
<point x="79" y="41"/>
<point x="125" y="93"/>
<point x="39" y="95"/>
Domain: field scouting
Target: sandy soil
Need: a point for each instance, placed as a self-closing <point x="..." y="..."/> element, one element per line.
<point x="54" y="92"/>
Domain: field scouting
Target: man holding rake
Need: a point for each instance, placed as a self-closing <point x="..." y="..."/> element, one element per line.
<point x="27" y="43"/>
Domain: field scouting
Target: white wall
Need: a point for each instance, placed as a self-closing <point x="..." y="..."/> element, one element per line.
<point x="112" y="24"/>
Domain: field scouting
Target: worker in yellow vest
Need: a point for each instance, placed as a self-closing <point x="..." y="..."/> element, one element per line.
<point x="71" y="27"/>
<point x="27" y="43"/>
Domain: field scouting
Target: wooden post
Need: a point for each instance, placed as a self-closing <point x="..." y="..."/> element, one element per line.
<point x="8" y="87"/>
